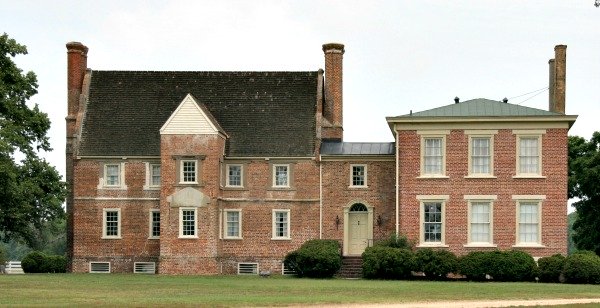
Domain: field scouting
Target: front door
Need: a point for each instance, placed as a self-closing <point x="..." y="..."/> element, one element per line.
<point x="358" y="232"/>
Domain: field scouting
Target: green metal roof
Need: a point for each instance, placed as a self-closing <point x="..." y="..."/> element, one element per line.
<point x="481" y="107"/>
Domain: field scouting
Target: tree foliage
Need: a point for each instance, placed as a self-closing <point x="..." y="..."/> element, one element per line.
<point x="31" y="191"/>
<point x="584" y="184"/>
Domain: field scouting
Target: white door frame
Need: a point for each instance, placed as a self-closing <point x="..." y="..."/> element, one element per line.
<point x="347" y="224"/>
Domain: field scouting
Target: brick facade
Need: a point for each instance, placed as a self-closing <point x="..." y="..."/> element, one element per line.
<point x="320" y="197"/>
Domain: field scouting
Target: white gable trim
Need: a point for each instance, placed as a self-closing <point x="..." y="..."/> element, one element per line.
<point x="189" y="119"/>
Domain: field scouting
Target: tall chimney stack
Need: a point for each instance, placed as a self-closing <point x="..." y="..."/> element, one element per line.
<point x="333" y="102"/>
<point x="558" y="79"/>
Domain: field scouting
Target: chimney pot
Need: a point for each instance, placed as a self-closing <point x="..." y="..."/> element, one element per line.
<point x="505" y="100"/>
<point x="456" y="100"/>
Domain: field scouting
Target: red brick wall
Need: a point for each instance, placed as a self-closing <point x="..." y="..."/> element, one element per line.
<point x="554" y="186"/>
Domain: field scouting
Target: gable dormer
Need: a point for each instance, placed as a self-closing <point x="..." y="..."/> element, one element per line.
<point x="191" y="118"/>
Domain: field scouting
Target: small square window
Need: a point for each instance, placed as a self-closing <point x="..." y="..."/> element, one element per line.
<point x="234" y="176"/>
<point x="281" y="224"/>
<point x="359" y="175"/>
<point x="281" y="176"/>
<point x="189" y="171"/>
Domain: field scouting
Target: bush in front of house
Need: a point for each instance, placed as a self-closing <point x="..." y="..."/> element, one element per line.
<point x="550" y="268"/>
<point x="511" y="265"/>
<point x="315" y="259"/>
<point x="582" y="267"/>
<point x="435" y="264"/>
<point x="475" y="265"/>
<point x="382" y="262"/>
<point x="39" y="262"/>
<point x="396" y="241"/>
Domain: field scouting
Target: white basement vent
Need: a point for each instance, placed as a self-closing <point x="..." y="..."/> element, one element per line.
<point x="286" y="270"/>
<point x="247" y="268"/>
<point x="99" y="267"/>
<point x="144" y="267"/>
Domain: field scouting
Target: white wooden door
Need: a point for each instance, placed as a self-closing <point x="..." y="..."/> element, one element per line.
<point x="358" y="232"/>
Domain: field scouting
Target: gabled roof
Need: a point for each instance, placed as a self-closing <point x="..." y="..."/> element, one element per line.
<point x="481" y="107"/>
<point x="263" y="113"/>
<point x="357" y="148"/>
<point x="191" y="117"/>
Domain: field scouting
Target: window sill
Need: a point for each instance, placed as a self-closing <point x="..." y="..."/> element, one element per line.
<point x="358" y="187"/>
<point x="528" y="176"/>
<point x="529" y="245"/>
<point x="281" y="238"/>
<point x="480" y="245"/>
<point x="432" y="245"/>
<point x="152" y="188"/>
<point x="154" y="238"/>
<point x="111" y="238"/>
<point x="281" y="188"/>
<point x="187" y="237"/>
<point x="233" y="238"/>
<point x="433" y="177"/>
<point x="483" y="176"/>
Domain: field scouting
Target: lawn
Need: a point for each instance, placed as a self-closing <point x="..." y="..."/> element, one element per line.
<point x="144" y="290"/>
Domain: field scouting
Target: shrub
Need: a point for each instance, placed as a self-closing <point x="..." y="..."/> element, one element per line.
<point x="551" y="267"/>
<point x="396" y="241"/>
<point x="475" y="265"/>
<point x="436" y="264"/>
<point x="316" y="259"/>
<point x="582" y="268"/>
<point x="39" y="262"/>
<point x="384" y="262"/>
<point x="512" y="265"/>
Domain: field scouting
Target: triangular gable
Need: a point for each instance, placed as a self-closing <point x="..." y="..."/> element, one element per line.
<point x="191" y="117"/>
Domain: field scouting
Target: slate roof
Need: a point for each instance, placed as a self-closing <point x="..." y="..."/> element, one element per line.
<point x="263" y="113"/>
<point x="482" y="107"/>
<point x="357" y="148"/>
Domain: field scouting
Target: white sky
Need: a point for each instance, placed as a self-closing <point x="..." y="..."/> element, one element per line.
<point x="400" y="55"/>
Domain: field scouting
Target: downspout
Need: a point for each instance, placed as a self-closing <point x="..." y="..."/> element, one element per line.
<point x="397" y="183"/>
<point x="320" y="198"/>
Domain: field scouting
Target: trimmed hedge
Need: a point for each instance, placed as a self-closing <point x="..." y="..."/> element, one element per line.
<point x="436" y="264"/>
<point x="39" y="262"/>
<point x="396" y="241"/>
<point x="382" y="262"/>
<point x="582" y="267"/>
<point x="550" y="268"/>
<point x="512" y="265"/>
<point x="315" y="259"/>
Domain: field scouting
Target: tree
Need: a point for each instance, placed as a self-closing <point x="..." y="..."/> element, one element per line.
<point x="584" y="184"/>
<point x="31" y="190"/>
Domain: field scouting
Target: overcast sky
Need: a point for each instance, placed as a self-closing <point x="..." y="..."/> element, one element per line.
<point x="400" y="56"/>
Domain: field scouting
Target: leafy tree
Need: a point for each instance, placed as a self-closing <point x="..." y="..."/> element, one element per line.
<point x="31" y="191"/>
<point x="584" y="183"/>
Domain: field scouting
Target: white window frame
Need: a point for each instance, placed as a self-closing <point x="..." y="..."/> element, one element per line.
<point x="181" y="210"/>
<point x="104" y="222"/>
<point x="227" y="179"/>
<point x="528" y="199"/>
<point x="287" y="184"/>
<point x="424" y="199"/>
<point x="489" y="199"/>
<point x="535" y="134"/>
<point x="149" y="185"/>
<point x="481" y="135"/>
<point x="274" y="235"/>
<point x="103" y="183"/>
<point x="438" y="134"/>
<point x="151" y="224"/>
<point x="182" y="173"/>
<point x="364" y="176"/>
<point x="226" y="227"/>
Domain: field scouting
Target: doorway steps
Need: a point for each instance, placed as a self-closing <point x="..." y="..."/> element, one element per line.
<point x="351" y="267"/>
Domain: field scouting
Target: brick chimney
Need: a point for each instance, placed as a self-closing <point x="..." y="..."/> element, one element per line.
<point x="333" y="101"/>
<point x="76" y="68"/>
<point x="557" y="80"/>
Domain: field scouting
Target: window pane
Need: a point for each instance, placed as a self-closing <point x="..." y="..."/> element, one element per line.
<point x="112" y="223"/>
<point x="480" y="222"/>
<point x="233" y="224"/>
<point x="281" y="175"/>
<point x="529" y="155"/>
<point x="281" y="224"/>
<point x="188" y="222"/>
<point x="155" y="175"/>
<point x="112" y="175"/>
<point x="189" y="171"/>
<point x="528" y="223"/>
<point x="432" y="162"/>
<point x="480" y="155"/>
<point x="432" y="217"/>
<point x="235" y="176"/>
<point x="155" y="223"/>
<point x="358" y="175"/>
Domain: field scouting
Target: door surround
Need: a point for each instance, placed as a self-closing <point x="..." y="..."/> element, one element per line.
<point x="347" y="210"/>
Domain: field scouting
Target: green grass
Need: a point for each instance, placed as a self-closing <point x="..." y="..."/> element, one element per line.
<point x="144" y="290"/>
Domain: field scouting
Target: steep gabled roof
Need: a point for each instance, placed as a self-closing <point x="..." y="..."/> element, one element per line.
<point x="481" y="107"/>
<point x="263" y="113"/>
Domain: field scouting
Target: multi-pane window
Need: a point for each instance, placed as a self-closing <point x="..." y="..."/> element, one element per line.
<point x="529" y="222"/>
<point x="112" y="175"/>
<point x="480" y="155"/>
<point x="480" y="222"/>
<point x="281" y="176"/>
<point x="154" y="223"/>
<point x="188" y="171"/>
<point x="154" y="175"/>
<point x="359" y="175"/>
<point x="112" y="223"/>
<point x="233" y="224"/>
<point x="529" y="155"/>
<point x="234" y="175"/>
<point x="281" y="224"/>
<point x="187" y="220"/>
<point x="432" y="222"/>
<point x="433" y="156"/>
